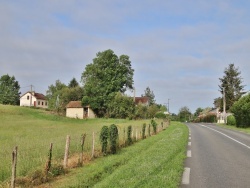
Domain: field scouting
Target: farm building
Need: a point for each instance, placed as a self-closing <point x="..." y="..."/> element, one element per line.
<point x="74" y="109"/>
<point x="142" y="101"/>
<point x="33" y="99"/>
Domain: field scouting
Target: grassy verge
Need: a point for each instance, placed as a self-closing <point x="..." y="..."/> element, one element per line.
<point x="244" y="130"/>
<point x="154" y="162"/>
<point x="32" y="130"/>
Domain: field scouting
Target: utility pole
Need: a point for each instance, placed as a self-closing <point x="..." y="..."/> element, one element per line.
<point x="224" y="106"/>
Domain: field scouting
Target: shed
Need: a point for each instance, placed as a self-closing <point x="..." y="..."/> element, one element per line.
<point x="74" y="109"/>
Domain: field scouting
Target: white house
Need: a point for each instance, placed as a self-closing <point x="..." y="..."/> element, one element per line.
<point x="33" y="99"/>
<point x="74" y="109"/>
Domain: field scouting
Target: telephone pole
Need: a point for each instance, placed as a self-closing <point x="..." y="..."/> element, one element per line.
<point x="224" y="106"/>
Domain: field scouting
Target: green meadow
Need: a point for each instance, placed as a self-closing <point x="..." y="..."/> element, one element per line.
<point x="32" y="131"/>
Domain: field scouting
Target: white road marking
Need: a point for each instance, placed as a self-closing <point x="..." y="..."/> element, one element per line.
<point x="189" y="138"/>
<point x="186" y="176"/>
<point x="189" y="143"/>
<point x="227" y="136"/>
<point x="189" y="154"/>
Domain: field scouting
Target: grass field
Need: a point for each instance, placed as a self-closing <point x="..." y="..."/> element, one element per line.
<point x="32" y="130"/>
<point x="154" y="162"/>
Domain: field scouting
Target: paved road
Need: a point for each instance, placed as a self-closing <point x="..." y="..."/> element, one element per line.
<point x="219" y="157"/>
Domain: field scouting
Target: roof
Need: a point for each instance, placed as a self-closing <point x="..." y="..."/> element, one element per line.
<point x="142" y="100"/>
<point x="74" y="104"/>
<point x="37" y="95"/>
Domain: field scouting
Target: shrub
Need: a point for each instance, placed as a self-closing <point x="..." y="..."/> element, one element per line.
<point x="154" y="125"/>
<point x="231" y="120"/>
<point x="143" y="130"/>
<point x="104" y="138"/>
<point x="160" y="115"/>
<point x="129" y="139"/>
<point x="113" y="136"/>
<point x="241" y="111"/>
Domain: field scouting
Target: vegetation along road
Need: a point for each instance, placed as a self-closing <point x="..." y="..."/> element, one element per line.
<point x="217" y="157"/>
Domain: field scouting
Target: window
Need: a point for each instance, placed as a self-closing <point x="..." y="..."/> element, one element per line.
<point x="38" y="102"/>
<point x="28" y="97"/>
<point x="42" y="103"/>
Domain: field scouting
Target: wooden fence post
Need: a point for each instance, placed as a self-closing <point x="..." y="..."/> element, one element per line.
<point x="66" y="154"/>
<point x="136" y="136"/>
<point x="93" y="145"/>
<point x="82" y="144"/>
<point x="48" y="163"/>
<point x="14" y="162"/>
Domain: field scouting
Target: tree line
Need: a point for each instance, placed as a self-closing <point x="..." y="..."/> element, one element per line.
<point x="102" y="87"/>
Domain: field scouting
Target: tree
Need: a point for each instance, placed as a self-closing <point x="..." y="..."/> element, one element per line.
<point x="73" y="83"/>
<point x="59" y="95"/>
<point x="184" y="114"/>
<point x="241" y="111"/>
<point x="103" y="78"/>
<point x="9" y="90"/>
<point x="121" y="106"/>
<point x="198" y="111"/>
<point x="150" y="94"/>
<point x="231" y="82"/>
<point x="54" y="93"/>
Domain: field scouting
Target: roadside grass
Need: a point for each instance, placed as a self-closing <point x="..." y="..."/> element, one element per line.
<point x="244" y="130"/>
<point x="32" y="130"/>
<point x="154" y="162"/>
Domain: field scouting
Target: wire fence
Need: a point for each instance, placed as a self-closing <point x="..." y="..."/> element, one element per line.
<point x="69" y="151"/>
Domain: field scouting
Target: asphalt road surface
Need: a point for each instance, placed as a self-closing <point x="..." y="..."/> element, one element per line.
<point x="217" y="157"/>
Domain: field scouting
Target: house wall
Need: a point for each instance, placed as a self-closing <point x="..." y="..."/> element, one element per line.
<point x="25" y="101"/>
<point x="74" y="113"/>
<point x="41" y="103"/>
<point x="91" y="114"/>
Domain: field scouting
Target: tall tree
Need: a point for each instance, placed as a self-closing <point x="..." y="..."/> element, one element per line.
<point x="150" y="94"/>
<point x="73" y="83"/>
<point x="103" y="78"/>
<point x="9" y="90"/>
<point x="198" y="111"/>
<point x="184" y="114"/>
<point x="54" y="94"/>
<point x="232" y="83"/>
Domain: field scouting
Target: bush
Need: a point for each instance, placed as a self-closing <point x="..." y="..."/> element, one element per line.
<point x="154" y="125"/>
<point x="160" y="115"/>
<point x="231" y="120"/>
<point x="129" y="139"/>
<point x="113" y="136"/>
<point x="241" y="111"/>
<point x="104" y="138"/>
<point x="143" y="130"/>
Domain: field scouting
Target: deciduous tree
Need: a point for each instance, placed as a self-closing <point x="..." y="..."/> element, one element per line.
<point x="9" y="90"/>
<point x="103" y="78"/>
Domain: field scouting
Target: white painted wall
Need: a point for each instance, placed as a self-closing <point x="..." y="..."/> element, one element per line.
<point x="74" y="113"/>
<point x="27" y="98"/>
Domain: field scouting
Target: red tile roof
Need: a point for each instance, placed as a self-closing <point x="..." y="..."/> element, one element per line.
<point x="141" y="100"/>
<point x="37" y="95"/>
<point x="74" y="104"/>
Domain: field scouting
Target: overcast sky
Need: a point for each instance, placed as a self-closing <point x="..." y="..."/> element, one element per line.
<point x="178" y="48"/>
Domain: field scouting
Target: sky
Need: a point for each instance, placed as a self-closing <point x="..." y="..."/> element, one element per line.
<point x="179" y="49"/>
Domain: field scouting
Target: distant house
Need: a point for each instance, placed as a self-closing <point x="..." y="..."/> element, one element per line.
<point x="33" y="99"/>
<point x="221" y="117"/>
<point x="142" y="101"/>
<point x="74" y="109"/>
